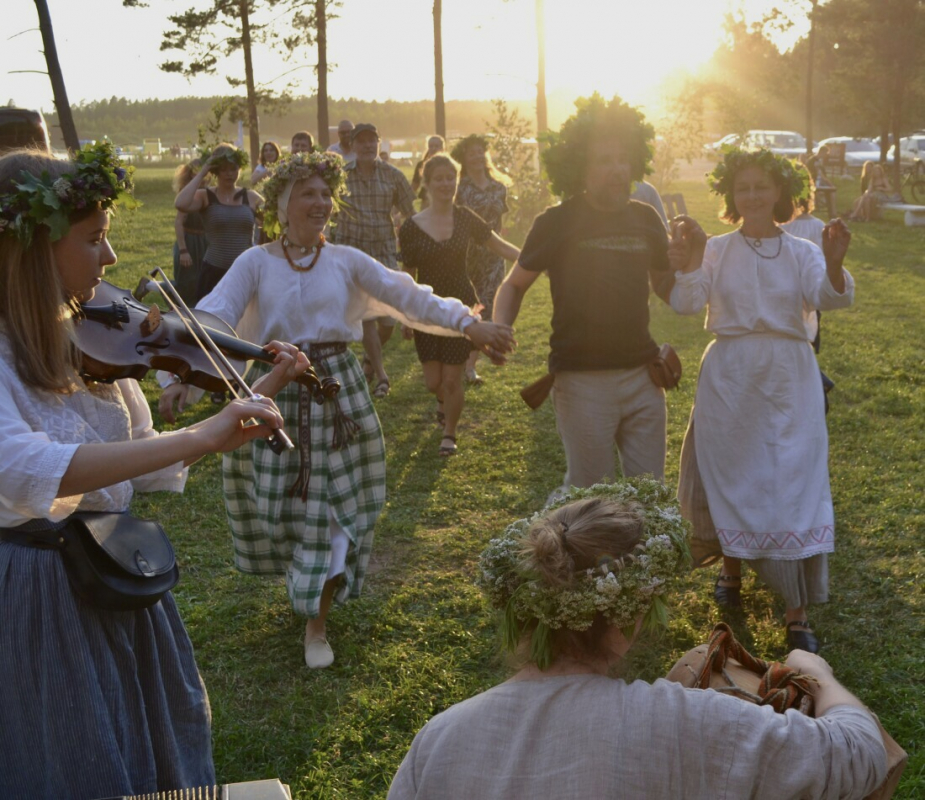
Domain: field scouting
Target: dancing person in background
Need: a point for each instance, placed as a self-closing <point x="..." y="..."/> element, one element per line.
<point x="302" y="142"/>
<point x="483" y="189"/>
<point x="270" y="153"/>
<point x="310" y="513"/>
<point x="228" y="212"/>
<point x="344" y="144"/>
<point x="435" y="144"/>
<point x="601" y="251"/>
<point x="754" y="466"/>
<point x="191" y="244"/>
<point x="434" y="245"/>
<point x="94" y="702"/>
<point x="572" y="589"/>
<point x="377" y="190"/>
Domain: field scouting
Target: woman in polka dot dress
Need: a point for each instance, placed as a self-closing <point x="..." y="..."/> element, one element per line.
<point x="434" y="244"/>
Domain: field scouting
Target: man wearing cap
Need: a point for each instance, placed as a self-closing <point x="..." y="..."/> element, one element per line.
<point x="375" y="188"/>
<point x="344" y="145"/>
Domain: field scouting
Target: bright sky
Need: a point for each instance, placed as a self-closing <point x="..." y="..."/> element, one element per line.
<point x="380" y="49"/>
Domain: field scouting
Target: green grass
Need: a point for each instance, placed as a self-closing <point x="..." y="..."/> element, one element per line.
<point x="421" y="637"/>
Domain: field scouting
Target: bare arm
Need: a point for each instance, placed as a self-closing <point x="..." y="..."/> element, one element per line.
<point x="185" y="260"/>
<point x="828" y="692"/>
<point x="94" y="466"/>
<point x="502" y="248"/>
<point x="511" y="294"/>
<point x="192" y="197"/>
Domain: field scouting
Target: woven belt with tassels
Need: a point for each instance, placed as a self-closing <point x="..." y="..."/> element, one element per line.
<point x="345" y="429"/>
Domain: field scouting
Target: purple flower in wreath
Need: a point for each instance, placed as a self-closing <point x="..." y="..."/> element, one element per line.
<point x="120" y="174"/>
<point x="79" y="183"/>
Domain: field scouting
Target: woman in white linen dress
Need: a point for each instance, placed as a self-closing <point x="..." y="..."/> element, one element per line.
<point x="754" y="479"/>
<point x="310" y="513"/>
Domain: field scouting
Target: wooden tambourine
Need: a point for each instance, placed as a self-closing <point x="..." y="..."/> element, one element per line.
<point x="724" y="665"/>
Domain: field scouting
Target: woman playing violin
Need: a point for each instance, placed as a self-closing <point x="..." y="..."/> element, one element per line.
<point x="94" y="702"/>
<point x="310" y="513"/>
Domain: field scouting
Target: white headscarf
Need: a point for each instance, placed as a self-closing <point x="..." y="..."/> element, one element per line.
<point x="282" y="204"/>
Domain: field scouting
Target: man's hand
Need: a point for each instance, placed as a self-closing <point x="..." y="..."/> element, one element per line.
<point x="493" y="339"/>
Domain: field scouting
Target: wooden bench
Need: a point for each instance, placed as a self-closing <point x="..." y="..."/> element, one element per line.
<point x="915" y="215"/>
<point x="674" y="205"/>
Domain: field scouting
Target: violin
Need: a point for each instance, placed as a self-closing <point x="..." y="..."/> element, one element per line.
<point x="121" y="337"/>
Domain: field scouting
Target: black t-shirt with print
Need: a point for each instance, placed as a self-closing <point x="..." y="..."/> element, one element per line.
<point x="598" y="264"/>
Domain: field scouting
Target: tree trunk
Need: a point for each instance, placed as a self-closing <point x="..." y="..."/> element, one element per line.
<point x="542" y="123"/>
<point x="253" y="125"/>
<point x="65" y="118"/>
<point x="811" y="51"/>
<point x="440" y="109"/>
<point x="322" y="24"/>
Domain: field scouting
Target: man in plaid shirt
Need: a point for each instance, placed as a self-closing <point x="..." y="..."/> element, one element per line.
<point x="374" y="188"/>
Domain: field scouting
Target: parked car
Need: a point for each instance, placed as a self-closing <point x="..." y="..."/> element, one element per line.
<point x="857" y="151"/>
<point x="785" y="143"/>
<point x="913" y="146"/>
<point x="22" y="127"/>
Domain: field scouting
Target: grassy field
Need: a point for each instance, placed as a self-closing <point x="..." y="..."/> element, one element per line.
<point x="421" y="637"/>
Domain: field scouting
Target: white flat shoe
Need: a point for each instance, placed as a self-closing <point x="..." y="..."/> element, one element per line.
<point x="318" y="653"/>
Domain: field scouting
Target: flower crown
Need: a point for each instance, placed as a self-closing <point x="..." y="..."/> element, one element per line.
<point x="298" y="166"/>
<point x="234" y="156"/>
<point x="622" y="589"/>
<point x="97" y="179"/>
<point x="788" y="174"/>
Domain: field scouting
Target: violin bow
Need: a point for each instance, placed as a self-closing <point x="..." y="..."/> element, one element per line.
<point x="278" y="441"/>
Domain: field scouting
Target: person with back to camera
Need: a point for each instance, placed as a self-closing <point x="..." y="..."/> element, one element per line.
<point x="191" y="244"/>
<point x="754" y="465"/>
<point x="228" y="212"/>
<point x="94" y="702"/>
<point x="434" y="245"/>
<point x="311" y="513"/>
<point x="572" y="587"/>
<point x="483" y="189"/>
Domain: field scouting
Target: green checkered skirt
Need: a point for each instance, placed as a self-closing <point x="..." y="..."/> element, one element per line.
<point x="273" y="529"/>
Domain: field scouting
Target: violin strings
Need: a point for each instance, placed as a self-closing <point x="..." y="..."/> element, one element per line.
<point x="200" y="336"/>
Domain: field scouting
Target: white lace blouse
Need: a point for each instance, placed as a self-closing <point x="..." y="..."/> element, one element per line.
<point x="40" y="431"/>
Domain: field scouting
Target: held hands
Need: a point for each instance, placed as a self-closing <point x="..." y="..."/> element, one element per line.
<point x="493" y="339"/>
<point x="688" y="241"/>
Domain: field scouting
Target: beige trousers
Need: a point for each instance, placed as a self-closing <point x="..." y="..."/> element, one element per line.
<point x="600" y="409"/>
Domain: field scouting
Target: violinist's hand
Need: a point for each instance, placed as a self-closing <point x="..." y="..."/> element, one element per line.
<point x="228" y="430"/>
<point x="174" y="396"/>
<point x="290" y="362"/>
<point x="493" y="339"/>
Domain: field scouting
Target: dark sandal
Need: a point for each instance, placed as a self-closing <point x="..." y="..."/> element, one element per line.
<point x="447" y="450"/>
<point x="382" y="388"/>
<point x="802" y="640"/>
<point x="728" y="596"/>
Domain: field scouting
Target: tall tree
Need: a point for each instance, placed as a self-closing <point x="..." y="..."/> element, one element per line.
<point x="225" y="27"/>
<point x="65" y="118"/>
<point x="880" y="59"/>
<point x="542" y="122"/>
<point x="439" y="106"/>
<point x="312" y="29"/>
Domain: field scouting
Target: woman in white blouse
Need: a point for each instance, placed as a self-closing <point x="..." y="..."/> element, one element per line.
<point x="94" y="702"/>
<point x="311" y="513"/>
<point x="754" y="466"/>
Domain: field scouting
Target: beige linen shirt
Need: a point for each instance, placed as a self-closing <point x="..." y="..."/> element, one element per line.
<point x="588" y="736"/>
